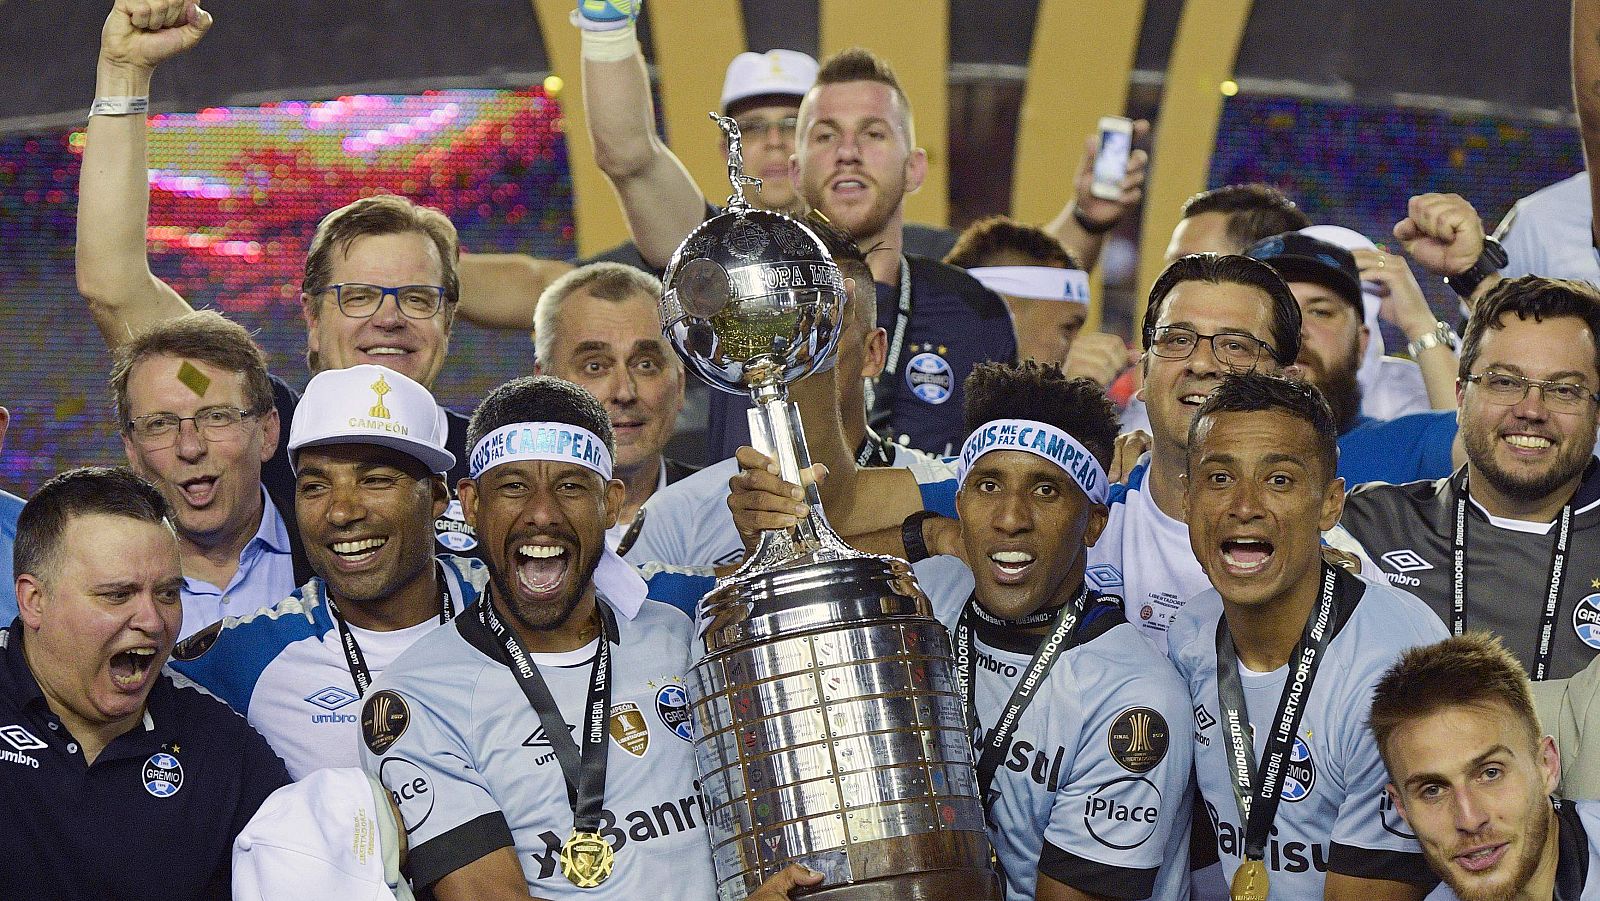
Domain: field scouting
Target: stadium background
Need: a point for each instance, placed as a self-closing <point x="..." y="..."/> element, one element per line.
<point x="1324" y="104"/>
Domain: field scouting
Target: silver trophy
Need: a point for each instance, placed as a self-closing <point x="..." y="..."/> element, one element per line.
<point x="828" y="730"/>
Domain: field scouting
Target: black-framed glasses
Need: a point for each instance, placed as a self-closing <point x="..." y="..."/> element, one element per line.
<point x="1239" y="353"/>
<point x="1506" y="389"/>
<point x="361" y="301"/>
<point x="160" y="430"/>
<point x="755" y="126"/>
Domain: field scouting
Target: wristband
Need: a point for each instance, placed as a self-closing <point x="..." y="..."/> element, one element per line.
<point x="1492" y="260"/>
<point x="1441" y="336"/>
<point x="119" y="106"/>
<point x="1093" y="228"/>
<point x="607" y="46"/>
<point x="911" y="535"/>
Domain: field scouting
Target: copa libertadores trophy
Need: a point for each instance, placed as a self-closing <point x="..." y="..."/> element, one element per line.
<point x="828" y="730"/>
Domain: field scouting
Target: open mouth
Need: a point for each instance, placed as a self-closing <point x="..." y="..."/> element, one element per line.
<point x="1246" y="556"/>
<point x="541" y="568"/>
<point x="357" y="551"/>
<point x="1010" y="566"/>
<point x="385" y="350"/>
<point x="849" y="187"/>
<point x="129" y="668"/>
<point x="1193" y="398"/>
<point x="1481" y="859"/>
<point x="199" y="491"/>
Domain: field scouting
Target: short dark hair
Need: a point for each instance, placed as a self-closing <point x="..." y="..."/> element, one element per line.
<point x="203" y="335"/>
<point x="108" y="490"/>
<point x="1238" y="270"/>
<point x="1254" y="211"/>
<point x="1041" y="391"/>
<point x="1472" y="669"/>
<point x="852" y="264"/>
<point x="1253" y="392"/>
<point x="986" y="238"/>
<point x="1530" y="295"/>
<point x="540" y="398"/>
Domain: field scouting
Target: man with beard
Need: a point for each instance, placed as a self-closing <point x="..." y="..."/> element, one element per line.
<point x="539" y="745"/>
<point x="120" y="780"/>
<point x="1334" y="338"/>
<point x="1472" y="773"/>
<point x="369" y="457"/>
<point x="1509" y="542"/>
<point x="1281" y="655"/>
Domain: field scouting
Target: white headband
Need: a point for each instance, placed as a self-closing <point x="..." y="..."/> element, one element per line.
<point x="1041" y="440"/>
<point x="559" y="442"/>
<point x="1035" y="282"/>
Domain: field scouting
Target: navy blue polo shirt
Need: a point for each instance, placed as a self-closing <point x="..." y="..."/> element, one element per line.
<point x="153" y="818"/>
<point x="955" y="324"/>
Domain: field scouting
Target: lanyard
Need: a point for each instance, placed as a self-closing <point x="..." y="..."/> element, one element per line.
<point x="353" y="657"/>
<point x="1060" y="639"/>
<point x="875" y="451"/>
<point x="585" y="771"/>
<point x="880" y="390"/>
<point x="1552" y="598"/>
<point x="1257" y="790"/>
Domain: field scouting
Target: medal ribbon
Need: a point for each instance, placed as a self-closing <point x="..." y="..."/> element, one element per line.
<point x="585" y="770"/>
<point x="1259" y="790"/>
<point x="1552" y="598"/>
<point x="353" y="657"/>
<point x="1061" y="639"/>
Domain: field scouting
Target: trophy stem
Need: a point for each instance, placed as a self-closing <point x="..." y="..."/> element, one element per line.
<point x="776" y="430"/>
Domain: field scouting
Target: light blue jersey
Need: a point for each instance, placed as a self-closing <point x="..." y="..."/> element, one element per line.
<point x="456" y="742"/>
<point x="284" y="668"/>
<point x="1335" y="815"/>
<point x="1094" y="789"/>
<point x="688" y="522"/>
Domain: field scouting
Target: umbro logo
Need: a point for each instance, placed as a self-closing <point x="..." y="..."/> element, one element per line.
<point x="1405" y="560"/>
<point x="541" y="739"/>
<point x="21" y="739"/>
<point x="333" y="697"/>
<point x="1104" y="575"/>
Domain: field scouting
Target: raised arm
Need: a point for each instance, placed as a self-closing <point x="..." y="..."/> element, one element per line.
<point x="1586" y="90"/>
<point x="659" y="199"/>
<point x="1084" y="223"/>
<point x="499" y="290"/>
<point x="113" y="190"/>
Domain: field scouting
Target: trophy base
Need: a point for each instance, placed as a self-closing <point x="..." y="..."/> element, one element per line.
<point x="938" y="885"/>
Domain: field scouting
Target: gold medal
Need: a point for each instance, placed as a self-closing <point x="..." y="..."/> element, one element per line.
<point x="586" y="859"/>
<point x="1249" y="881"/>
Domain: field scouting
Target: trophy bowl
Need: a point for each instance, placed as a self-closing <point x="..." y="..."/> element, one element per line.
<point x="752" y="297"/>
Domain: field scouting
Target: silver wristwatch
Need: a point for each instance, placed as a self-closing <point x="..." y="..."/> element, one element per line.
<point x="1442" y="334"/>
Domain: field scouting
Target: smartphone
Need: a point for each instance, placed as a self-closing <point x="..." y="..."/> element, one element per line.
<point x="1111" y="162"/>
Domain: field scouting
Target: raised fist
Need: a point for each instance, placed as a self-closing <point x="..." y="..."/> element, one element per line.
<point x="1442" y="232"/>
<point x="142" y="34"/>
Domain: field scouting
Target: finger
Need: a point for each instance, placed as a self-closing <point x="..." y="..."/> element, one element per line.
<point x="1406" y="230"/>
<point x="792" y="876"/>
<point x="1141" y="129"/>
<point x="752" y="522"/>
<point x="199" y="19"/>
<point x="1091" y="147"/>
<point x="756" y="481"/>
<point x="751" y="459"/>
<point x="1137" y="161"/>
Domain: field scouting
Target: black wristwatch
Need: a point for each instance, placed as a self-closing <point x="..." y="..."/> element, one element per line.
<point x="1492" y="260"/>
<point x="911" y="535"/>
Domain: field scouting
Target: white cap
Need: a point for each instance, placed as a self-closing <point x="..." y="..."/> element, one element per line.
<point x="331" y="835"/>
<point x="369" y="404"/>
<point x="774" y="72"/>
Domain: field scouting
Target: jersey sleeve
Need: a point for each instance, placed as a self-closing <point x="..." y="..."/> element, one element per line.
<point x="947" y="582"/>
<point x="1113" y="819"/>
<point x="1368" y="839"/>
<point x="419" y="749"/>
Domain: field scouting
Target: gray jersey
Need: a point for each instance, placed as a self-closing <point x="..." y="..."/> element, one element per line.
<point x="448" y="731"/>
<point x="1094" y="789"/>
<point x="1334" y="815"/>
<point x="1407" y="530"/>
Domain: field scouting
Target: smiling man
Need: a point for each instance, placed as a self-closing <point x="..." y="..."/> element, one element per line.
<point x="1472" y="773"/>
<point x="194" y="405"/>
<point x="1508" y="543"/>
<point x="97" y="739"/>
<point x="1282" y="653"/>
<point x="539" y="745"/>
<point x="369" y="456"/>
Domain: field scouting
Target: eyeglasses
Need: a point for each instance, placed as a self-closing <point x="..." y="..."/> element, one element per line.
<point x="1506" y="389"/>
<point x="156" y="431"/>
<point x="359" y="301"/>
<point x="1239" y="353"/>
<point x="754" y="126"/>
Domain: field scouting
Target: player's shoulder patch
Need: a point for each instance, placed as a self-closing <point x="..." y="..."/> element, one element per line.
<point x="195" y="645"/>
<point x="1138" y="739"/>
<point x="384" y="719"/>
